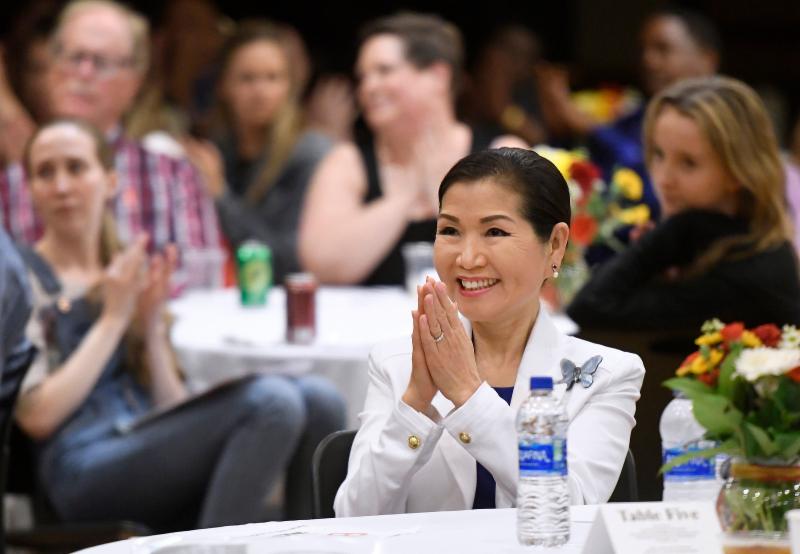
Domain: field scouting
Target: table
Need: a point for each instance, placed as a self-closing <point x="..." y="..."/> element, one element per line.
<point x="463" y="532"/>
<point x="216" y="338"/>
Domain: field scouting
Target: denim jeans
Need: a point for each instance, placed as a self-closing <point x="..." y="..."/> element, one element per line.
<point x="218" y="456"/>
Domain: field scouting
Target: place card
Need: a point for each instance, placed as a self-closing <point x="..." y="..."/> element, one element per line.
<point x="655" y="528"/>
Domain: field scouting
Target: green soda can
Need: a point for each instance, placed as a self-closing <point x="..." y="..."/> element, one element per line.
<point x="254" y="268"/>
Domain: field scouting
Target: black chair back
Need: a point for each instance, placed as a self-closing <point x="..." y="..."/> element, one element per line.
<point x="627" y="489"/>
<point x="329" y="468"/>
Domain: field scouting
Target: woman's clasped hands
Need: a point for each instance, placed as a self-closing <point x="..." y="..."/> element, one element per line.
<point x="443" y="357"/>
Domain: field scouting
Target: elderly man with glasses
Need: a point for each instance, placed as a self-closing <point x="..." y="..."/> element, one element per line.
<point x="99" y="61"/>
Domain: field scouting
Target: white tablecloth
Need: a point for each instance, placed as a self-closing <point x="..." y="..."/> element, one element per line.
<point x="464" y="532"/>
<point x="216" y="338"/>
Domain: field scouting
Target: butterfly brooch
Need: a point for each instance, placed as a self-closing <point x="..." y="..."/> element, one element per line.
<point x="583" y="374"/>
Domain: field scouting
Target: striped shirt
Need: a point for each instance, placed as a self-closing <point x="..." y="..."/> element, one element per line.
<point x="157" y="194"/>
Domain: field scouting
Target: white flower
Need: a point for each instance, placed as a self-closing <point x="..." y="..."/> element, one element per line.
<point x="712" y="326"/>
<point x="575" y="193"/>
<point x="754" y="363"/>
<point x="790" y="337"/>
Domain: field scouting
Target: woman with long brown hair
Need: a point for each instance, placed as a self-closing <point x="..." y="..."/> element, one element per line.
<point x="267" y="157"/>
<point x="723" y="248"/>
<point x="93" y="399"/>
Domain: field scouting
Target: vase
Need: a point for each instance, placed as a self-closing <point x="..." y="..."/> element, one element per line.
<point x="752" y="506"/>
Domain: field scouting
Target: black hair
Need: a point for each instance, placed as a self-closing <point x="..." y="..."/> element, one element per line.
<point x="700" y="28"/>
<point x="539" y="184"/>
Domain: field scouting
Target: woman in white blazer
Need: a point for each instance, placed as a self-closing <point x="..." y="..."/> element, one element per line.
<point x="437" y="431"/>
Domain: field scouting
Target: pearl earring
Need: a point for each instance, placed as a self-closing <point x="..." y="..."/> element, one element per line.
<point x="555" y="271"/>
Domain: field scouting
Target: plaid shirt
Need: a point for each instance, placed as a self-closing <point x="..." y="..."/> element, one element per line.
<point x="158" y="194"/>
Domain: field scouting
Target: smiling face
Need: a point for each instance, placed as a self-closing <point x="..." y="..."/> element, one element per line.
<point x="68" y="183"/>
<point x="685" y="169"/>
<point x="256" y="84"/>
<point x="390" y="87"/>
<point x="488" y="254"/>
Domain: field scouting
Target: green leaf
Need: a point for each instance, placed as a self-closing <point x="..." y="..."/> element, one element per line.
<point x="740" y="394"/>
<point x="788" y="395"/>
<point x="730" y="447"/>
<point x="716" y="414"/>
<point x="689" y="387"/>
<point x="733" y="445"/>
<point x="765" y="444"/>
<point x="788" y="445"/>
<point x="768" y="413"/>
<point x="596" y="207"/>
<point x="683" y="458"/>
<point x="727" y="373"/>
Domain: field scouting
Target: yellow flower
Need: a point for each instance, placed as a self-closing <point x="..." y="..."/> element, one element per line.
<point x="629" y="183"/>
<point x="701" y="364"/>
<point x="561" y="158"/>
<point x="637" y="215"/>
<point x="750" y="340"/>
<point x="596" y="104"/>
<point x="709" y="339"/>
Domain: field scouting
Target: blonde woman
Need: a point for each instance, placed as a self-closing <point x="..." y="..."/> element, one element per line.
<point x="723" y="247"/>
<point x="266" y="158"/>
<point x="370" y="197"/>
<point x="105" y="366"/>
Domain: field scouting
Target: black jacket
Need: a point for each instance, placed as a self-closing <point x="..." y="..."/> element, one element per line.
<point x="631" y="292"/>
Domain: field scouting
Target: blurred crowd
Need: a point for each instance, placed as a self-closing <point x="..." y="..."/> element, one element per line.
<point x="172" y="146"/>
<point x="236" y="136"/>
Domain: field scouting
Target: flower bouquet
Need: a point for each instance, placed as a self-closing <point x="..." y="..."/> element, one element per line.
<point x="607" y="103"/>
<point x="744" y="385"/>
<point x="599" y="209"/>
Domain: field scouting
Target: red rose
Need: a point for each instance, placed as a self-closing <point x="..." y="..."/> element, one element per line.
<point x="732" y="332"/>
<point x="769" y="334"/>
<point x="710" y="378"/>
<point x="689" y="359"/>
<point x="794" y="374"/>
<point x="585" y="174"/>
<point x="584" y="229"/>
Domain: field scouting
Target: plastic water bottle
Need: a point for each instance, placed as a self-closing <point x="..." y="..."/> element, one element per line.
<point x="697" y="480"/>
<point x="542" y="493"/>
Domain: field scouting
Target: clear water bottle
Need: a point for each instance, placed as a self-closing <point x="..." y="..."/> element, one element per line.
<point x="697" y="480"/>
<point x="542" y="492"/>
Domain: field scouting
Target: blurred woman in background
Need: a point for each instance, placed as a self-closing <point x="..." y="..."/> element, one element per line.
<point x="265" y="160"/>
<point x="370" y="197"/>
<point x="723" y="247"/>
<point x="105" y="370"/>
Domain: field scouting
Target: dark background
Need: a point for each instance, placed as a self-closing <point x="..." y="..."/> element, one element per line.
<point x="596" y="38"/>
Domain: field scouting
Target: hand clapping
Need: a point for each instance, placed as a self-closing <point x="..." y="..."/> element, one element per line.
<point x="122" y="282"/>
<point x="154" y="295"/>
<point x="447" y="357"/>
<point x="135" y="290"/>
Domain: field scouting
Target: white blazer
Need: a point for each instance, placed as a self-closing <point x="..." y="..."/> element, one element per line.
<point x="386" y="475"/>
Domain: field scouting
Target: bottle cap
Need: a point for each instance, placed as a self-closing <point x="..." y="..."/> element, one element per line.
<point x="540" y="383"/>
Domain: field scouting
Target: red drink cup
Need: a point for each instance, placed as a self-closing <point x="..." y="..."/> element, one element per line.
<point x="301" y="315"/>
